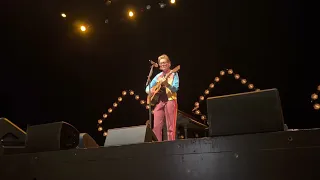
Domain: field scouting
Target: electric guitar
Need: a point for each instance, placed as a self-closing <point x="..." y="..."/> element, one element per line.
<point x="153" y="99"/>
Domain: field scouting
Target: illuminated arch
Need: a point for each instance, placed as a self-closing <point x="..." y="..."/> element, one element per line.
<point x="315" y="99"/>
<point x="224" y="72"/>
<point x="115" y="105"/>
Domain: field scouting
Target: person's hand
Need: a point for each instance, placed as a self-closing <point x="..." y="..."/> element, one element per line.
<point x="151" y="90"/>
<point x="164" y="82"/>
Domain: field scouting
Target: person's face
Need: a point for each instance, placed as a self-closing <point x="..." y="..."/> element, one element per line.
<point x="164" y="64"/>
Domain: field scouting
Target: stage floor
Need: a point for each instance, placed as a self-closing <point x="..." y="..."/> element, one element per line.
<point x="279" y="155"/>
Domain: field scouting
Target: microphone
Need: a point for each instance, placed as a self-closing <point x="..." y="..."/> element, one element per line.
<point x="153" y="63"/>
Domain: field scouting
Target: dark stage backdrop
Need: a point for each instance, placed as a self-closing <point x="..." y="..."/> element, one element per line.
<point x="49" y="72"/>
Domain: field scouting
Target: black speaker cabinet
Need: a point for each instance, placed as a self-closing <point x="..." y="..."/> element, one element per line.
<point x="129" y="135"/>
<point x="10" y="134"/>
<point x="245" y="113"/>
<point x="52" y="137"/>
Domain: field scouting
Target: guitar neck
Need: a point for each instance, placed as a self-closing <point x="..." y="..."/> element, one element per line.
<point x="167" y="75"/>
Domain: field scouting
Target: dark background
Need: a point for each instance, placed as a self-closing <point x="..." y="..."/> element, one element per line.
<point x="51" y="72"/>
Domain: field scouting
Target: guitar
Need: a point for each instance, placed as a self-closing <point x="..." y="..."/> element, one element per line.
<point x="153" y="99"/>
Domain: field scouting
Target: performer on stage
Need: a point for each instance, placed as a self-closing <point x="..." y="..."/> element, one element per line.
<point x="167" y="107"/>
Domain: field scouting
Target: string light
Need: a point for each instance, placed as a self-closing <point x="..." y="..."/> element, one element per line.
<point x="217" y="79"/>
<point x="116" y="104"/>
<point x="315" y="99"/>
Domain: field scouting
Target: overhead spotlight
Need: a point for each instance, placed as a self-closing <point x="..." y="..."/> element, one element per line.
<point x="148" y="7"/>
<point x="172" y="1"/>
<point x="162" y="5"/>
<point x="107" y="2"/>
<point x="83" y="28"/>
<point x="131" y="14"/>
<point x="63" y="15"/>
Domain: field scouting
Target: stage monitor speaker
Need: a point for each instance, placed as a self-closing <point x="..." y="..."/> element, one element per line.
<point x="86" y="141"/>
<point x="52" y="137"/>
<point x="10" y="134"/>
<point x="129" y="135"/>
<point x="245" y="113"/>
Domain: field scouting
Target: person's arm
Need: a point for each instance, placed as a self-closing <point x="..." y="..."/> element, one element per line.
<point x="175" y="84"/>
<point x="151" y="84"/>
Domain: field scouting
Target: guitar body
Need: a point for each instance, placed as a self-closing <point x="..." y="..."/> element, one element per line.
<point x="153" y="99"/>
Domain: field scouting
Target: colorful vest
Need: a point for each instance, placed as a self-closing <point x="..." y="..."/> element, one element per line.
<point x="171" y="95"/>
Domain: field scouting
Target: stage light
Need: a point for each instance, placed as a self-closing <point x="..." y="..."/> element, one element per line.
<point x="105" y="134"/>
<point x="115" y="104"/>
<point x="119" y="99"/>
<point x="250" y="86"/>
<point x="100" y="121"/>
<point x="105" y="115"/>
<point x="316" y="106"/>
<point x="148" y="7"/>
<point x="314" y="96"/>
<point x="222" y="73"/>
<point x="107" y="2"/>
<point x="124" y="93"/>
<point x="83" y="28"/>
<point x="137" y="97"/>
<point x="130" y="13"/>
<point x="110" y="110"/>
<point x="63" y="15"/>
<point x="162" y="5"/>
<point x="100" y="129"/>
<point x="172" y="1"/>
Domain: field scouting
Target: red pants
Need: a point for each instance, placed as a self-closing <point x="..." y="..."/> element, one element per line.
<point x="165" y="110"/>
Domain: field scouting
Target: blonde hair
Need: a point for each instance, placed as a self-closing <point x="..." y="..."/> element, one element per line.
<point x="164" y="56"/>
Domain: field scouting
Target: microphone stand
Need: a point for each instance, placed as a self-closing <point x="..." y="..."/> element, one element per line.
<point x="147" y="84"/>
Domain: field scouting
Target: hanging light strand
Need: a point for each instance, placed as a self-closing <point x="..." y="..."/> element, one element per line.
<point x="115" y="105"/>
<point x="315" y="99"/>
<point x="217" y="79"/>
